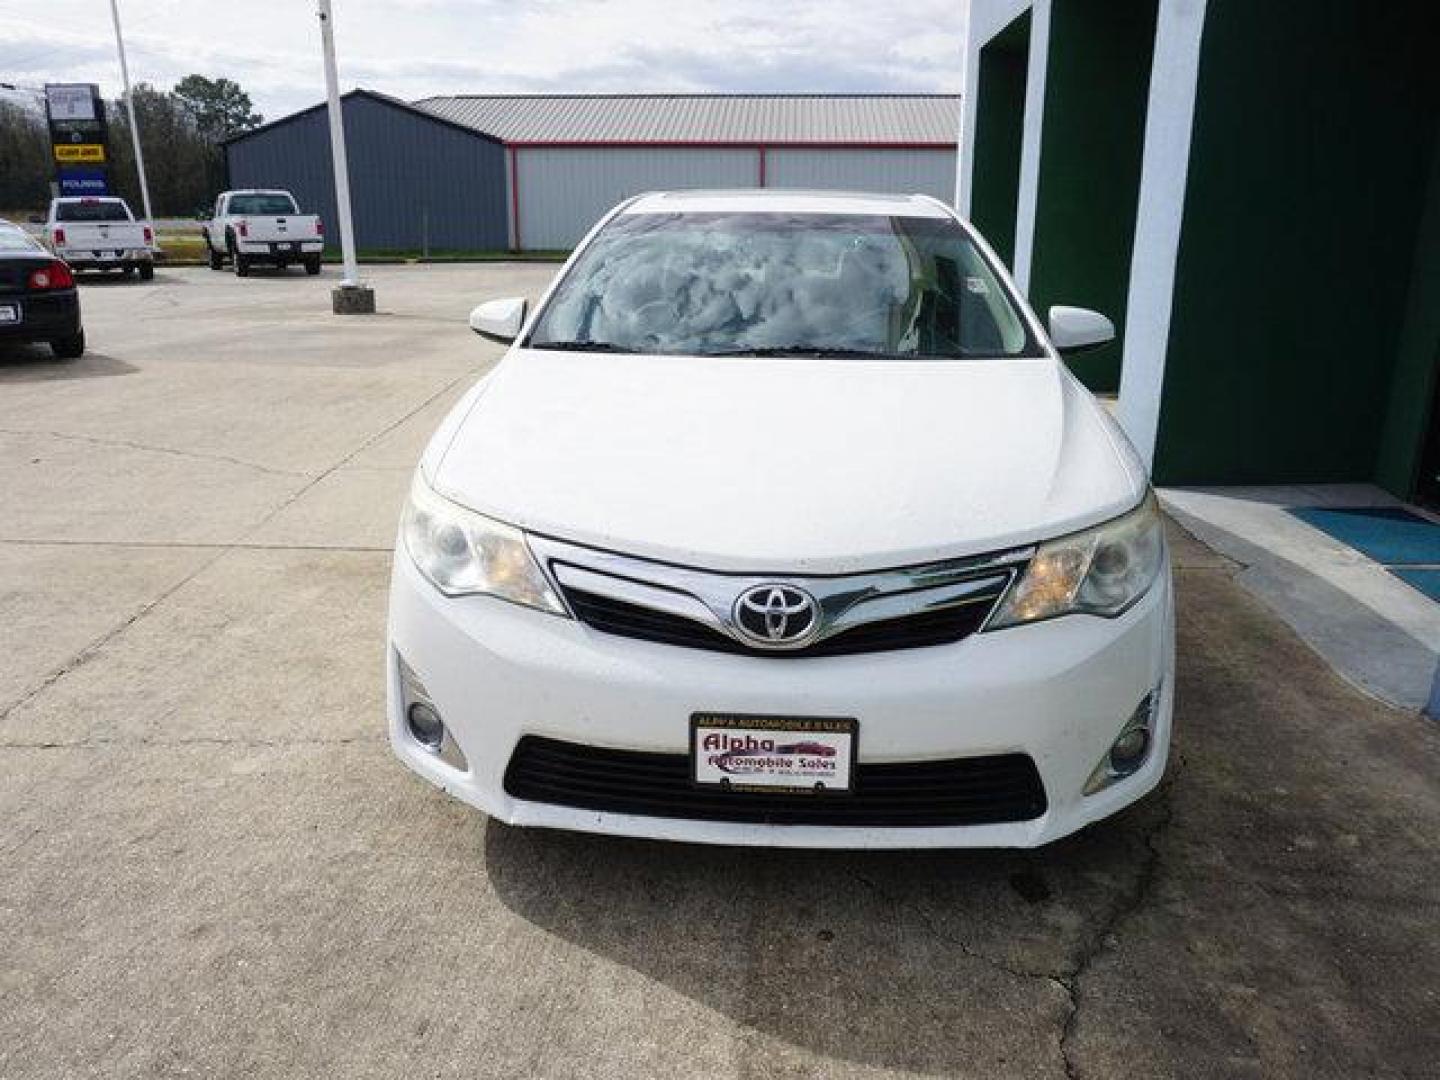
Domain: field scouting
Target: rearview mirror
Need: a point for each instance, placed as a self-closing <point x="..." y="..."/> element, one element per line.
<point x="1076" y="330"/>
<point x="499" y="320"/>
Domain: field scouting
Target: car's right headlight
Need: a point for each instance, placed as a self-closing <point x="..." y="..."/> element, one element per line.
<point x="464" y="553"/>
<point x="1100" y="571"/>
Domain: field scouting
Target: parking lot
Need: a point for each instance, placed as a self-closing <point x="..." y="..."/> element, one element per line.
<point x="211" y="865"/>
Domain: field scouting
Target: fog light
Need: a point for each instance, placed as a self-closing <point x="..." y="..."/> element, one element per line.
<point x="1129" y="751"/>
<point x="425" y="724"/>
<point x="1131" y="748"/>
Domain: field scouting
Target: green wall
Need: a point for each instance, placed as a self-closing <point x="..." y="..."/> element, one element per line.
<point x="999" y="128"/>
<point x="1410" y="407"/>
<point x="1097" y="86"/>
<point x="1313" y="135"/>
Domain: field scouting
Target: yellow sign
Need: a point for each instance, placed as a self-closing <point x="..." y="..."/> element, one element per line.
<point x="80" y="153"/>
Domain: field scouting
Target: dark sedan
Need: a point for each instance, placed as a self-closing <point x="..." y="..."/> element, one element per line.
<point x="38" y="301"/>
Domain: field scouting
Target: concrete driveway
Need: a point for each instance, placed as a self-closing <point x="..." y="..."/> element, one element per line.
<point x="210" y="865"/>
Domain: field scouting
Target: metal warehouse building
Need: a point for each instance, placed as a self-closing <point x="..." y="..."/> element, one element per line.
<point x="1253" y="192"/>
<point x="556" y="163"/>
<point x="416" y="180"/>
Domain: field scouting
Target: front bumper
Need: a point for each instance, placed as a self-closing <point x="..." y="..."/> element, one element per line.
<point x="1058" y="691"/>
<point x="44" y="316"/>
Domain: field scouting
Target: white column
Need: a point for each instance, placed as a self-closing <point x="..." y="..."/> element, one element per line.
<point x="130" y="111"/>
<point x="1174" y="73"/>
<point x="337" y="148"/>
<point x="1029" y="189"/>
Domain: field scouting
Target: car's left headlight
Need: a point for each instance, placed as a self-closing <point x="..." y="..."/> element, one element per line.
<point x="464" y="553"/>
<point x="1100" y="571"/>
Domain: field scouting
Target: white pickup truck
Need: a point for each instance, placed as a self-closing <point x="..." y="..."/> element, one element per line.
<point x="254" y="226"/>
<point x="98" y="232"/>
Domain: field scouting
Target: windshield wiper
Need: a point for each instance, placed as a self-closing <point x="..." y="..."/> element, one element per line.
<point x="806" y="350"/>
<point x="580" y="346"/>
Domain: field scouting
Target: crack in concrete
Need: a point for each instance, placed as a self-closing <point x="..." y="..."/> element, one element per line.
<point x="195" y="740"/>
<point x="93" y="648"/>
<point x="1068" y="979"/>
<point x="197" y="455"/>
<point x="1127" y="905"/>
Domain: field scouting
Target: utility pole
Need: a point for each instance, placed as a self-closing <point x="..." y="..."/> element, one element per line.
<point x="351" y="297"/>
<point x="130" y="109"/>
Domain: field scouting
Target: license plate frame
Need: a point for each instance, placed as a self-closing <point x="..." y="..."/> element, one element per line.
<point x="757" y="753"/>
<point x="10" y="315"/>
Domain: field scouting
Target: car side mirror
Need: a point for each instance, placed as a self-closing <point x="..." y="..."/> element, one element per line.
<point x="1076" y="330"/>
<point x="499" y="320"/>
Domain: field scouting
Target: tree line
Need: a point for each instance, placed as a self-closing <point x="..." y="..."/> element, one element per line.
<point x="181" y="131"/>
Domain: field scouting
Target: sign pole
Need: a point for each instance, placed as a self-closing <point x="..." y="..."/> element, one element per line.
<point x="351" y="297"/>
<point x="130" y="109"/>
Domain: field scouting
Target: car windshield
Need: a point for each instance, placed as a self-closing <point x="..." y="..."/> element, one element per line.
<point x="261" y="204"/>
<point x="783" y="284"/>
<point x="92" y="210"/>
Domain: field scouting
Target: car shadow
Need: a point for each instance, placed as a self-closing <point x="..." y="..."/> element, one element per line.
<point x="895" y="960"/>
<point x="36" y="363"/>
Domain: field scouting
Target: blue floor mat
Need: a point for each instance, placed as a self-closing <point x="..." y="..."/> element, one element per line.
<point x="1427" y="581"/>
<point x="1388" y="534"/>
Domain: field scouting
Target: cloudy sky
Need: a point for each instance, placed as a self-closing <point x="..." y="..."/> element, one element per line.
<point x="412" y="48"/>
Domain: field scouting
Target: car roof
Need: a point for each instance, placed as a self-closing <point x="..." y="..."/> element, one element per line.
<point x="88" y="198"/>
<point x="780" y="200"/>
<point x="257" y="191"/>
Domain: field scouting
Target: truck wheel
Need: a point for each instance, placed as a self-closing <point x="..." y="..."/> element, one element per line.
<point x="312" y="266"/>
<point x="147" y="271"/>
<point x="69" y="348"/>
<point x="242" y="265"/>
<point x="217" y="261"/>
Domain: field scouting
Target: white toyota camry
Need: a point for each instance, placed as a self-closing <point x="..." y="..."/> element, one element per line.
<point x="782" y="522"/>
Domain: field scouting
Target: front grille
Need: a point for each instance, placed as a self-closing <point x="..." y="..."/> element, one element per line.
<point x="943" y="626"/>
<point x="959" y="791"/>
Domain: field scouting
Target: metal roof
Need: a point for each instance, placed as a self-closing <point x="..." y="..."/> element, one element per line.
<point x="707" y="119"/>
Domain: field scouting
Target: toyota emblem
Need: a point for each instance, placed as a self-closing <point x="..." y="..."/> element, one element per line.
<point x="776" y="616"/>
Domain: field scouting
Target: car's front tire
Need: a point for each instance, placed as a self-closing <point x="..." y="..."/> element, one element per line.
<point x="69" y="348"/>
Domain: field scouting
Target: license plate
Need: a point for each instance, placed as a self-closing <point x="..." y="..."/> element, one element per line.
<point x="773" y="753"/>
<point x="106" y="254"/>
<point x="286" y="247"/>
<point x="9" y="313"/>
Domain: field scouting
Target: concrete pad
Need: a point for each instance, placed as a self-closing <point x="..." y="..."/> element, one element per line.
<point x="1379" y="632"/>
<point x="58" y="600"/>
<point x="212" y="866"/>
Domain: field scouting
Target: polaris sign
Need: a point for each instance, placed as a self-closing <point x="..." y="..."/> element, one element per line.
<point x="83" y="180"/>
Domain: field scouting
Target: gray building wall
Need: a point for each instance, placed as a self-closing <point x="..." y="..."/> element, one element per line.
<point x="900" y="172"/>
<point x="564" y="191"/>
<point x="409" y="175"/>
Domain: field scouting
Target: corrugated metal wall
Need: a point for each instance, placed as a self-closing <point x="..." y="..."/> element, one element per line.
<point x="407" y="175"/>
<point x="564" y="191"/>
<point x="901" y="172"/>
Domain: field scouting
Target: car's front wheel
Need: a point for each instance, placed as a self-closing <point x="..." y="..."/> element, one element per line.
<point x="69" y="348"/>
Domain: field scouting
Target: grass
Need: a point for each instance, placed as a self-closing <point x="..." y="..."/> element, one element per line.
<point x="187" y="248"/>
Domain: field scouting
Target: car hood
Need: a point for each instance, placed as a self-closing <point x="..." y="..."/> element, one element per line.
<point x="785" y="465"/>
